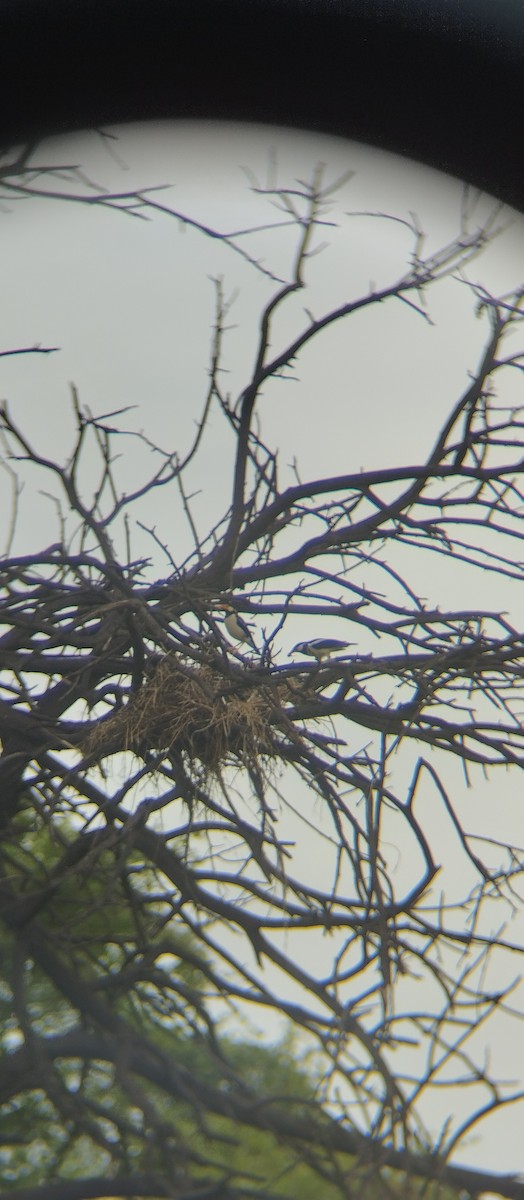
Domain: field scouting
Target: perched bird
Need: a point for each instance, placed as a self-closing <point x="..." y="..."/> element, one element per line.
<point x="236" y="627"/>
<point x="320" y="648"/>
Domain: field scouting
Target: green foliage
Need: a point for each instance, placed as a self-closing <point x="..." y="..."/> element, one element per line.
<point x="45" y="1137"/>
<point x="85" y="1122"/>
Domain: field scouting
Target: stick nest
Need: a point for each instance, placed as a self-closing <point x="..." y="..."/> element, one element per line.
<point x="189" y="709"/>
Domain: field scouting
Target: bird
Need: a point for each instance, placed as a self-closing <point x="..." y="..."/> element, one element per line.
<point x="320" y="648"/>
<point x="236" y="627"/>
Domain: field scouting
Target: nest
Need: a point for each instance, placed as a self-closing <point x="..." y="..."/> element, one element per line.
<point x="189" y="709"/>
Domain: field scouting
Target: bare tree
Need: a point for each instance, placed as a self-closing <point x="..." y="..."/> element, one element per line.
<point x="163" y="782"/>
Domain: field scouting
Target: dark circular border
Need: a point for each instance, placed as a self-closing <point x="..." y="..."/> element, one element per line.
<point x="440" y="81"/>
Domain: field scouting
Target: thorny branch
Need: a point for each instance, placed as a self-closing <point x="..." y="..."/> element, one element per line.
<point x="154" y="771"/>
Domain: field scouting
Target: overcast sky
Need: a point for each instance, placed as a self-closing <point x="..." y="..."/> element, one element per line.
<point x="130" y="304"/>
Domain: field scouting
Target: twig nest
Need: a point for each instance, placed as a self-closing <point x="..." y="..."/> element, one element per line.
<point x="193" y="709"/>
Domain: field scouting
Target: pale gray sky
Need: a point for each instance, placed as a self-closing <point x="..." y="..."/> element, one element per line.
<point x="131" y="305"/>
